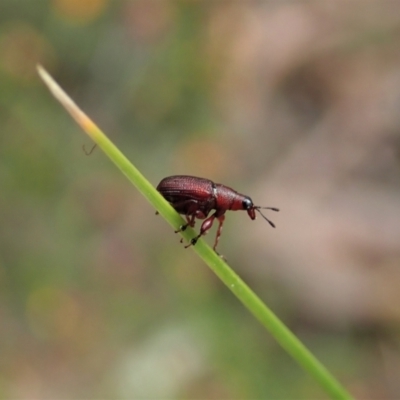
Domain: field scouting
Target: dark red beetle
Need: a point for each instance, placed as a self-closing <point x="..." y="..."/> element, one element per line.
<point x="196" y="197"/>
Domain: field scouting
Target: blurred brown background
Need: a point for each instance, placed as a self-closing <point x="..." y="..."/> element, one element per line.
<point x="296" y="104"/>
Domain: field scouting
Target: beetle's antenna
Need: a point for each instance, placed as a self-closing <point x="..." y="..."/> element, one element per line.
<point x="267" y="208"/>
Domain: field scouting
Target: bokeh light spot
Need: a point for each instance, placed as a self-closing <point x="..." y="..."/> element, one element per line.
<point x="202" y="157"/>
<point x="79" y="11"/>
<point x="21" y="48"/>
<point x="52" y="313"/>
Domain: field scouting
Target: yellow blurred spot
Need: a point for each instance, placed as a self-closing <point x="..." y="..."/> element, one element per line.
<point x="21" y="48"/>
<point x="81" y="11"/>
<point x="52" y="313"/>
<point x="202" y="157"/>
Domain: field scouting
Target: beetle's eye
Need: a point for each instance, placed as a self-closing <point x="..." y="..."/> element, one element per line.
<point x="247" y="203"/>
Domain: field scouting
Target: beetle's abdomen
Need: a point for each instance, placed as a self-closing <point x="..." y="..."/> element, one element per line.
<point x="185" y="187"/>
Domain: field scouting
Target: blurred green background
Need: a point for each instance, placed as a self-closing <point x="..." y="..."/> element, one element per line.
<point x="296" y="104"/>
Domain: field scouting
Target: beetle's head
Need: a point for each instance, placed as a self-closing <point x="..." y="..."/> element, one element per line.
<point x="251" y="210"/>
<point x="248" y="205"/>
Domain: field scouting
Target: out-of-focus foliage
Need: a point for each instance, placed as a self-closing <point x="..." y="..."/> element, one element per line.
<point x="294" y="103"/>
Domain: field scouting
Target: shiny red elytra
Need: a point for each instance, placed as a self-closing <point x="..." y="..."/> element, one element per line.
<point x="195" y="197"/>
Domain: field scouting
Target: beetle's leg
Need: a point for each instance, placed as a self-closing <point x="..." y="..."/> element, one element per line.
<point x="190" y="222"/>
<point x="192" y="213"/>
<point x="205" y="226"/>
<point x="221" y="219"/>
<point x="187" y="208"/>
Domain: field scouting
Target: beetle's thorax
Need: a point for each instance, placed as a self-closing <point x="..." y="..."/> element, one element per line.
<point x="228" y="198"/>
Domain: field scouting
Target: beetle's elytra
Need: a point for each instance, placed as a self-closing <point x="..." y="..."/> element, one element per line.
<point x="196" y="197"/>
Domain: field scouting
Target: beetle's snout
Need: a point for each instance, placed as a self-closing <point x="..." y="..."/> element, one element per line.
<point x="252" y="213"/>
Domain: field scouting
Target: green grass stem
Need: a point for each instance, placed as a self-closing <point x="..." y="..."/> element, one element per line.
<point x="239" y="288"/>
